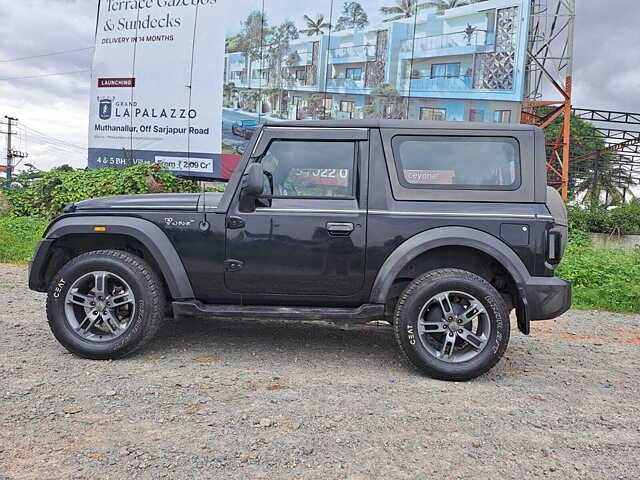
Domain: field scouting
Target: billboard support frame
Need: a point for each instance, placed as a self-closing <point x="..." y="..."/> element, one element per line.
<point x="549" y="71"/>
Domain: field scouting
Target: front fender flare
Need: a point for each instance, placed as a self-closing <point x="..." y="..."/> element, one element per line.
<point x="441" y="237"/>
<point x="147" y="233"/>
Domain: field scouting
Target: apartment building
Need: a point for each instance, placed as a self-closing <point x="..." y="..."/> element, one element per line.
<point x="463" y="64"/>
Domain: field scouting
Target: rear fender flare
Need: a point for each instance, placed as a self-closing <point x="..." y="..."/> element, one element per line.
<point x="147" y="233"/>
<point x="442" y="237"/>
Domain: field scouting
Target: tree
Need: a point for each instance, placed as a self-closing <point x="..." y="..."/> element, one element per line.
<point x="233" y="44"/>
<point x="442" y="5"/>
<point x="403" y="9"/>
<point x="278" y="50"/>
<point x="353" y="17"/>
<point x="387" y="103"/>
<point x="252" y="37"/>
<point x="594" y="177"/>
<point x="229" y="91"/>
<point x="269" y="95"/>
<point x="249" y="100"/>
<point x="315" y="26"/>
<point x="316" y="106"/>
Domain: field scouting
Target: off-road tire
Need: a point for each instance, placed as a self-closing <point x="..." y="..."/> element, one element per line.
<point x="420" y="291"/>
<point x="149" y="300"/>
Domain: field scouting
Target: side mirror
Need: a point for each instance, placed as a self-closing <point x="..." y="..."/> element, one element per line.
<point x="252" y="187"/>
<point x="253" y="181"/>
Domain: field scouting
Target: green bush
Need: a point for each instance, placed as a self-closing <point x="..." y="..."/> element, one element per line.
<point x="19" y="237"/>
<point x="48" y="196"/>
<point x="622" y="220"/>
<point x="602" y="279"/>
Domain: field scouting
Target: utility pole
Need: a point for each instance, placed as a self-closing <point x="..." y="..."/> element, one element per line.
<point x="11" y="154"/>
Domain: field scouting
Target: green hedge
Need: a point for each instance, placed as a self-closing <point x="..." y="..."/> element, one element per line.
<point x="622" y="220"/>
<point x="48" y="196"/>
<point x="19" y="237"/>
<point x="602" y="278"/>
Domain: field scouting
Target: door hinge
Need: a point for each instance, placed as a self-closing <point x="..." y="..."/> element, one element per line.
<point x="232" y="265"/>
<point x="235" y="222"/>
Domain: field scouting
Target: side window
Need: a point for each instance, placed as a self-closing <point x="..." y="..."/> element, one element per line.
<point x="312" y="169"/>
<point x="483" y="163"/>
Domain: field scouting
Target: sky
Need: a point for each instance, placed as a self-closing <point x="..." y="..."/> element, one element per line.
<point x="53" y="109"/>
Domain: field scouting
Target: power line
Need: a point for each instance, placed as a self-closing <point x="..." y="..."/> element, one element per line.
<point x="43" y="75"/>
<point x="59" y="145"/>
<point x="46" y="55"/>
<point x="44" y="136"/>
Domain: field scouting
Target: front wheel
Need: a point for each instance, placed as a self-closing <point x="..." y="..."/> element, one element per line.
<point x="452" y="324"/>
<point x="105" y="304"/>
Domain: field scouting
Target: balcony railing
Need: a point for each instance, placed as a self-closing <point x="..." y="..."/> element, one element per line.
<point x="355" y="53"/>
<point x="297" y="83"/>
<point x="299" y="58"/>
<point x="460" y="41"/>
<point x="237" y="66"/>
<point x="257" y="82"/>
<point x="437" y="84"/>
<point x="347" y="83"/>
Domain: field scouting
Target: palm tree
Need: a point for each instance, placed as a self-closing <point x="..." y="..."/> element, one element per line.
<point x="315" y="26"/>
<point x="229" y="91"/>
<point x="443" y="5"/>
<point x="601" y="176"/>
<point x="403" y="9"/>
<point x="250" y="99"/>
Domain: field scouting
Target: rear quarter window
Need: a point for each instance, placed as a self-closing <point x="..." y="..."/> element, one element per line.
<point x="457" y="162"/>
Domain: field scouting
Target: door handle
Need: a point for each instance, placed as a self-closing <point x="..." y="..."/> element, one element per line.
<point x="340" y="229"/>
<point x="234" y="223"/>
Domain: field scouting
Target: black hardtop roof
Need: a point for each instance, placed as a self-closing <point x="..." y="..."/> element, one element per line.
<point x="401" y="124"/>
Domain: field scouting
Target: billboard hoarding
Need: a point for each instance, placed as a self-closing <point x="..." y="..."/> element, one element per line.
<point x="153" y="95"/>
<point x="181" y="82"/>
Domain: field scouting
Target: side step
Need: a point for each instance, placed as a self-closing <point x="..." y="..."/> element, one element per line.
<point x="362" y="314"/>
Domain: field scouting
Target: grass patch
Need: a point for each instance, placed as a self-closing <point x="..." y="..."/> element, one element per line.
<point x="229" y="149"/>
<point x="19" y="237"/>
<point x="602" y="278"/>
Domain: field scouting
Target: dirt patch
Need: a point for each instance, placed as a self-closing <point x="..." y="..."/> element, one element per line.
<point x="290" y="400"/>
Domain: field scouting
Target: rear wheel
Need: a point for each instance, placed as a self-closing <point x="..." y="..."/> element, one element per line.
<point x="452" y="324"/>
<point x="105" y="304"/>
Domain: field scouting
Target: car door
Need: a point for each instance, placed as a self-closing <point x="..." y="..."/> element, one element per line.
<point x="307" y="236"/>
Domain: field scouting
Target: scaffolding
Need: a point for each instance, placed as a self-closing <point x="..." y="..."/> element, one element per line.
<point x="619" y="158"/>
<point x="548" y="81"/>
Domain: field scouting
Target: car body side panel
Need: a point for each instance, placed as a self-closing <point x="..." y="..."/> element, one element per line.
<point x="392" y="222"/>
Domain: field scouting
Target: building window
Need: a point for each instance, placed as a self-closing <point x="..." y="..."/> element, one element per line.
<point x="476" y="115"/>
<point x="354" y="73"/>
<point x="445" y="70"/>
<point x="346" y="106"/>
<point x="430" y="113"/>
<point x="502" y="116"/>
<point x="297" y="101"/>
<point x="300" y="75"/>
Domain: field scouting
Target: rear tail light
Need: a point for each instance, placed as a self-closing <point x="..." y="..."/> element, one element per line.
<point x="554" y="246"/>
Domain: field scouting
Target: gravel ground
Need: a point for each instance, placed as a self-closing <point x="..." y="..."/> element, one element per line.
<point x="287" y="400"/>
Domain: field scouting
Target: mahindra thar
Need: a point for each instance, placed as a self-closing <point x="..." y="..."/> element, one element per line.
<point x="441" y="229"/>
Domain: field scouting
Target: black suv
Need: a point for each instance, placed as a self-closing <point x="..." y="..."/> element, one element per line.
<point x="442" y="229"/>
